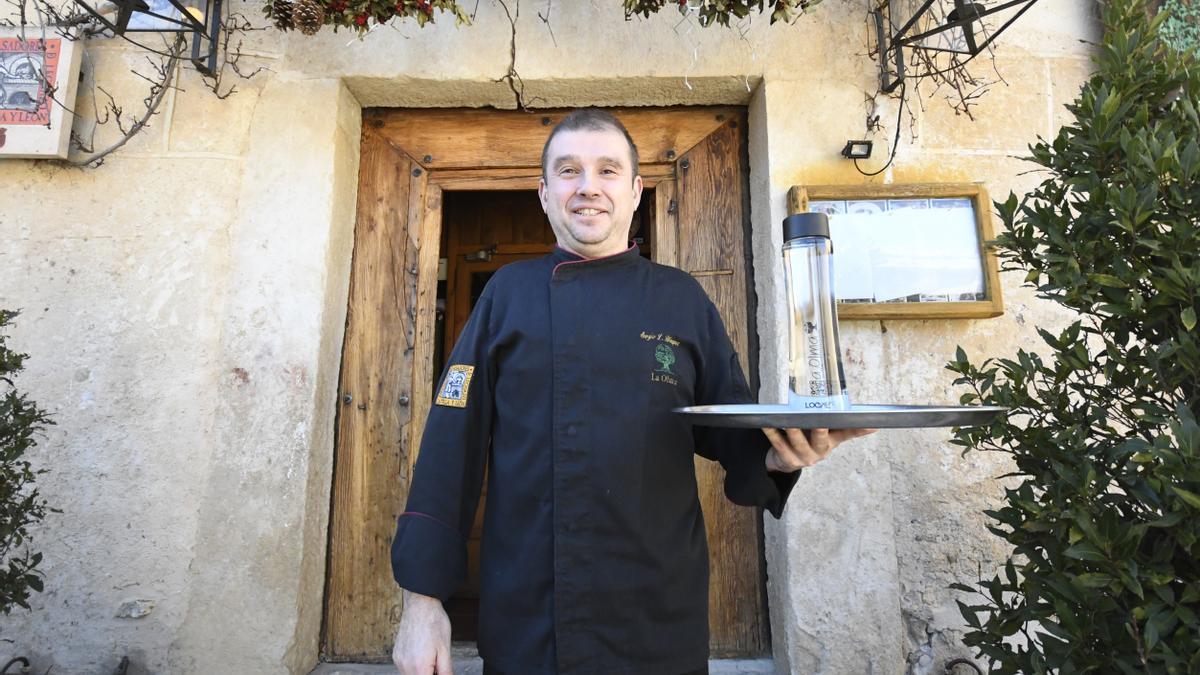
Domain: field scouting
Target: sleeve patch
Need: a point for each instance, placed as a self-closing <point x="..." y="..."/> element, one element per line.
<point x="456" y="387"/>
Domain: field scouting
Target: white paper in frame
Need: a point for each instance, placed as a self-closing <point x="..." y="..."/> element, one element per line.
<point x="908" y="250"/>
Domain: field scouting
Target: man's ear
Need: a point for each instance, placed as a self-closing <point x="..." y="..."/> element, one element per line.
<point x="637" y="191"/>
<point x="542" y="193"/>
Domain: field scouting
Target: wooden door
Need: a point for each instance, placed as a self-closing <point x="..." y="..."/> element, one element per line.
<point x="694" y="161"/>
<point x="705" y="209"/>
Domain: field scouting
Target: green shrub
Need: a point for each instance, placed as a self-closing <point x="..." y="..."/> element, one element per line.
<point x="1103" y="512"/>
<point x="20" y="504"/>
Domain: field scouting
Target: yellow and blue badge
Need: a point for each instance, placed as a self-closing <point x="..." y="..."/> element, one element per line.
<point x="456" y="387"/>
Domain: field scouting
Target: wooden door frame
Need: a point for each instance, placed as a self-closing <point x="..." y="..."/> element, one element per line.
<point x="449" y="150"/>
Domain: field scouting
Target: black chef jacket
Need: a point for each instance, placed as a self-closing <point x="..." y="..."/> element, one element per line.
<point x="594" y="557"/>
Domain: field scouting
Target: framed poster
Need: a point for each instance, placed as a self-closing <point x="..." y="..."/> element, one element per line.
<point x="38" y="79"/>
<point x="908" y="251"/>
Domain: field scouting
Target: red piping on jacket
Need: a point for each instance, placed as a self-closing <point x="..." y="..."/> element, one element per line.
<point x="584" y="260"/>
<point x="426" y="515"/>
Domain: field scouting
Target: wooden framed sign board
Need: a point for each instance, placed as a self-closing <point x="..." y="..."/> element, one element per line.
<point x="908" y="251"/>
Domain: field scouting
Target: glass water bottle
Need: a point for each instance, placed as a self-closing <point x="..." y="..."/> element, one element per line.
<point x="816" y="380"/>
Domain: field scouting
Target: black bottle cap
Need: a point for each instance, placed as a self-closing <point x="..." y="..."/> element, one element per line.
<point x="805" y="225"/>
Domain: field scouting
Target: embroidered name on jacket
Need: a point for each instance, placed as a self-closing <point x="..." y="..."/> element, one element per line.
<point x="456" y="388"/>
<point x="664" y="355"/>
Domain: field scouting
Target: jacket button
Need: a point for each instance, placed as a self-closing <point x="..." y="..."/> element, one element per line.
<point x="571" y="430"/>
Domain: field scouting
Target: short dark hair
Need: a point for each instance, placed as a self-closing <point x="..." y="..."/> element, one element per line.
<point x="590" y="119"/>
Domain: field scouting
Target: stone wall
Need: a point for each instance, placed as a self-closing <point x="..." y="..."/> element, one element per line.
<point x="183" y="306"/>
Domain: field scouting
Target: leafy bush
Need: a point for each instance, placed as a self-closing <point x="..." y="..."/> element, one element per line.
<point x="20" y="504"/>
<point x="1104" y="575"/>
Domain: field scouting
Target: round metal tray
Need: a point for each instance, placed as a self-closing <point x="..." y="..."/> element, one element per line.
<point x="860" y="416"/>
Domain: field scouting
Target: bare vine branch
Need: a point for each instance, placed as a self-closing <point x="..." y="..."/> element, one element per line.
<point x="153" y="101"/>
<point x="235" y="25"/>
<point x="546" y="20"/>
<point x="512" y="77"/>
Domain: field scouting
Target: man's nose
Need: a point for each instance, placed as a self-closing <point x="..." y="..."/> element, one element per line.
<point x="588" y="184"/>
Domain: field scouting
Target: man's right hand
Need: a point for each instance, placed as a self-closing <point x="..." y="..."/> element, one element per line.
<point x="423" y="641"/>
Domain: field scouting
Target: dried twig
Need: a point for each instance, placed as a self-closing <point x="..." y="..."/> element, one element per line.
<point x="236" y="25"/>
<point x="546" y="20"/>
<point x="512" y="77"/>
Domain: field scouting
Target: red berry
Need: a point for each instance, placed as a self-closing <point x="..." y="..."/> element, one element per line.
<point x="361" y="19"/>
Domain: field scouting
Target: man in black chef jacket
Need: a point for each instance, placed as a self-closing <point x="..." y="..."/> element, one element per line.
<point x="594" y="557"/>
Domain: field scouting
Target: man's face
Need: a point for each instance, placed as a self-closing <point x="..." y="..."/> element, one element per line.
<point x="589" y="192"/>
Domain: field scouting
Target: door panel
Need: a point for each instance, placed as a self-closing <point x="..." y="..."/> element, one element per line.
<point x="373" y="449"/>
<point x="711" y="236"/>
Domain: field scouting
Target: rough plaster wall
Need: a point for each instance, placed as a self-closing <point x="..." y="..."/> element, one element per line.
<point x="121" y="301"/>
<point x="265" y="507"/>
<point x="188" y="335"/>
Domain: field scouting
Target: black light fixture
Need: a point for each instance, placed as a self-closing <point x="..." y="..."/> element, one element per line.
<point x="954" y="26"/>
<point x="201" y="18"/>
<point x="857" y="149"/>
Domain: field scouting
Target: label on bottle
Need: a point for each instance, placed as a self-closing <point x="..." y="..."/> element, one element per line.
<point x="818" y="403"/>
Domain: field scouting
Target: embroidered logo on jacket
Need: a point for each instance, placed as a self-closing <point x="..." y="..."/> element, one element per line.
<point x="664" y="354"/>
<point x="456" y="388"/>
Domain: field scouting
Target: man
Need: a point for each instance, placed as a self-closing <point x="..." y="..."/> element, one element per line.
<point x="594" y="557"/>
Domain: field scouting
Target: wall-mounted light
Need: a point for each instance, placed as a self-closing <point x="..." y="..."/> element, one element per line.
<point x="857" y="149"/>
<point x="955" y="26"/>
<point x="201" y="18"/>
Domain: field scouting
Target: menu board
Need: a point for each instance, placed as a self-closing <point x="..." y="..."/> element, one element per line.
<point x="908" y="250"/>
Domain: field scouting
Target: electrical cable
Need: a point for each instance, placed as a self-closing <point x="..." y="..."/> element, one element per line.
<point x="895" y="142"/>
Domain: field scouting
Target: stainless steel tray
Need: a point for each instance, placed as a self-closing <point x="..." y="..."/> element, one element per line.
<point x="860" y="416"/>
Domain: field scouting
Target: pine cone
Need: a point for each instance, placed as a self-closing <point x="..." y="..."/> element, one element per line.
<point x="308" y="15"/>
<point x="282" y="12"/>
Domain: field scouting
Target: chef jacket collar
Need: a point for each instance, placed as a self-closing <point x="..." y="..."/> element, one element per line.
<point x="566" y="261"/>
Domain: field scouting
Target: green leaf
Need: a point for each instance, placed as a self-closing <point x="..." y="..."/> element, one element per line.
<point x="1169" y="520"/>
<point x="1188" y="316"/>
<point x="1094" y="580"/>
<point x="1191" y="498"/>
<point x="1085" y="551"/>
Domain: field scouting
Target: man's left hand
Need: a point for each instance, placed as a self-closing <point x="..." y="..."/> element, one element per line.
<point x="794" y="449"/>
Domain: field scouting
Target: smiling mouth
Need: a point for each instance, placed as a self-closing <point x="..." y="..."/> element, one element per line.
<point x="588" y="212"/>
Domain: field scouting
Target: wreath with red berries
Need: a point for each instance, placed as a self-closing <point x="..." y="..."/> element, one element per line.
<point x="309" y="15"/>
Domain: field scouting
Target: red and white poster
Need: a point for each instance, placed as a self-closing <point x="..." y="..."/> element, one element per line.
<point x="38" y="78"/>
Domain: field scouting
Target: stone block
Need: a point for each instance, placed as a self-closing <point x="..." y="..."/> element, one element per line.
<point x="131" y="195"/>
<point x="1067" y="76"/>
<point x="1006" y="118"/>
<point x="1054" y="28"/>
<point x="201" y="122"/>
